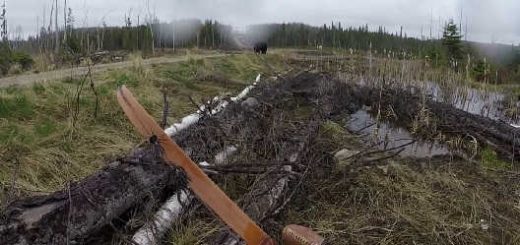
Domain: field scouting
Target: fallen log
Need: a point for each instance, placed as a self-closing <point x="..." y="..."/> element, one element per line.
<point x="262" y="205"/>
<point x="90" y="210"/>
<point x="171" y="211"/>
<point x="85" y="211"/>
<point x="95" y="209"/>
<point x="174" y="207"/>
<point x="152" y="232"/>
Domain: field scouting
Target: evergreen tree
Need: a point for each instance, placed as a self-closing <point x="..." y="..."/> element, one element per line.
<point x="451" y="40"/>
<point x="515" y="65"/>
<point x="516" y="59"/>
<point x="480" y="70"/>
<point x="5" y="58"/>
<point x="71" y="42"/>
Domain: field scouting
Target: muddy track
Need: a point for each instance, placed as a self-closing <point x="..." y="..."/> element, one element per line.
<point x="27" y="79"/>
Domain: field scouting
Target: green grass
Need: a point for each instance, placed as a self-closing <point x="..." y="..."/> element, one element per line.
<point x="126" y="79"/>
<point x="409" y="205"/>
<point x="489" y="159"/>
<point x="38" y="88"/>
<point x="45" y="128"/>
<point x="186" y="71"/>
<point x="16" y="106"/>
<point x="40" y="147"/>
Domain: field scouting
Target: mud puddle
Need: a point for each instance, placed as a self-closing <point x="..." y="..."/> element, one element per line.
<point x="387" y="137"/>
<point x="474" y="101"/>
<point x="479" y="102"/>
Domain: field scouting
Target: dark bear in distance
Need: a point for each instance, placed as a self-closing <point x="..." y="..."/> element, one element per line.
<point x="260" y="48"/>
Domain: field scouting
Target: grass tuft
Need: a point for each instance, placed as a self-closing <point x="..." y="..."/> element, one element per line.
<point x="38" y="141"/>
<point x="45" y="129"/>
<point x="489" y="159"/>
<point x="406" y="205"/>
<point x="17" y="106"/>
<point x="128" y="80"/>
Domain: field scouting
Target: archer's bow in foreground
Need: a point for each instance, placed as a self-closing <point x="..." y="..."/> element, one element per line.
<point x="203" y="187"/>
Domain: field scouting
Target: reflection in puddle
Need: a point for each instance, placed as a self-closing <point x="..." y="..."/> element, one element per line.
<point x="479" y="102"/>
<point x="363" y="123"/>
<point x="471" y="100"/>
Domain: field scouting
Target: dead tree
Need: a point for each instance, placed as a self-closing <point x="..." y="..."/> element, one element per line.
<point x="56" y="28"/>
<point x="3" y="19"/>
<point x="65" y="21"/>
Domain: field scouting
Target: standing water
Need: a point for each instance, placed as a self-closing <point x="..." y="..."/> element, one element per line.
<point x="471" y="100"/>
<point x="387" y="137"/>
<point x="475" y="101"/>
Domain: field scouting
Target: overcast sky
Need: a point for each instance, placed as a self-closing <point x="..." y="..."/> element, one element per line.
<point x="487" y="20"/>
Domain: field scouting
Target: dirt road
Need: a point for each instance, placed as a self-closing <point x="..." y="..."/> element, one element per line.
<point x="26" y="79"/>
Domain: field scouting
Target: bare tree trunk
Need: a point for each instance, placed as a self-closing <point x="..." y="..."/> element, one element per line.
<point x="49" y="29"/>
<point x="65" y="21"/>
<point x="198" y="39"/>
<point x="137" y="36"/>
<point x="103" y="39"/>
<point x="4" y="33"/>
<point x="98" y="40"/>
<point x="88" y="43"/>
<point x="57" y="47"/>
<point x="150" y="22"/>
<point x="153" y="40"/>
<point x="173" y="37"/>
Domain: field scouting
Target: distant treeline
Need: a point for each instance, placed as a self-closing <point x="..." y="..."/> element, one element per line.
<point x="211" y="34"/>
<point x="214" y="35"/>
<point x="335" y="36"/>
<point x="185" y="33"/>
<point x="361" y="38"/>
<point x="484" y="60"/>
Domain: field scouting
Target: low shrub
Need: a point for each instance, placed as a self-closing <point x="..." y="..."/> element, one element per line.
<point x="23" y="59"/>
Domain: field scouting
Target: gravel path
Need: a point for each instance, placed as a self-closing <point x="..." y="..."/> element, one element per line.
<point x="27" y="79"/>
